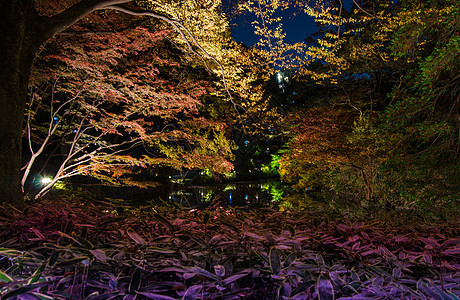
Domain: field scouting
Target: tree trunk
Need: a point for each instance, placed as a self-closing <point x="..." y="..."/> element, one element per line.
<point x="20" y="41"/>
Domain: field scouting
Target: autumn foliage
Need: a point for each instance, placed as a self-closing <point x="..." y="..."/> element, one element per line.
<point x="122" y="84"/>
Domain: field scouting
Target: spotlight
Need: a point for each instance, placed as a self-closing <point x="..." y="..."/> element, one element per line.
<point x="46" y="180"/>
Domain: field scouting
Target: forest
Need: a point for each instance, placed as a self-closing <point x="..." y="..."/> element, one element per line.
<point x="133" y="134"/>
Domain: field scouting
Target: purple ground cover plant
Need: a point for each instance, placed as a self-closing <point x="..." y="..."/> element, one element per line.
<point x="75" y="249"/>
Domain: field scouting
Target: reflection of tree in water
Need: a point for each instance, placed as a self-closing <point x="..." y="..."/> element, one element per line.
<point x="253" y="194"/>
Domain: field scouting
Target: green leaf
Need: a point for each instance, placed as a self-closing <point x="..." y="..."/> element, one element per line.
<point x="291" y="229"/>
<point x="71" y="261"/>
<point x="84" y="242"/>
<point x="275" y="261"/>
<point x="24" y="289"/>
<point x="36" y="276"/>
<point x="10" y="252"/>
<point x="5" y="277"/>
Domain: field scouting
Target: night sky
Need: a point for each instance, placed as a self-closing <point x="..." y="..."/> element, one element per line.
<point x="297" y="25"/>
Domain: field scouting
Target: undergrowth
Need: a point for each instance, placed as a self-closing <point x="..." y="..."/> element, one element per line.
<point x="72" y="248"/>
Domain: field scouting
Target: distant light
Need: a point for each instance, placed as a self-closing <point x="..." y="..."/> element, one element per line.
<point x="279" y="77"/>
<point x="46" y="180"/>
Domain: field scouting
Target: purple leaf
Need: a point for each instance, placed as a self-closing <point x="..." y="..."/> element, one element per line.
<point x="192" y="292"/>
<point x="344" y="227"/>
<point x="385" y="250"/>
<point x="448" y="266"/>
<point x="453" y="251"/>
<point x="202" y="272"/>
<point x="275" y="261"/>
<point x="401" y="239"/>
<point x="336" y="279"/>
<point x="215" y="239"/>
<point x="155" y="296"/>
<point x="219" y="270"/>
<point x="427" y="258"/>
<point x="99" y="255"/>
<point x="450" y="242"/>
<point x="235" y="277"/>
<point x="173" y="269"/>
<point x="325" y="289"/>
<point x="135" y="237"/>
<point x="430" y="242"/>
<point x="370" y="252"/>
<point x="356" y="246"/>
<point x="289" y="259"/>
<point x="365" y="235"/>
<point x="357" y="225"/>
<point x="253" y="235"/>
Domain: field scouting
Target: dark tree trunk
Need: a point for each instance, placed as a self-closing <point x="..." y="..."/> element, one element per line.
<point x="22" y="32"/>
<point x="19" y="42"/>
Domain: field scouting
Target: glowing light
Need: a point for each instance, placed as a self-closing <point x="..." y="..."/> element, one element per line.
<point x="46" y="180"/>
<point x="279" y="77"/>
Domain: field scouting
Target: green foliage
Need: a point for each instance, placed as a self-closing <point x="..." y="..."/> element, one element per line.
<point x="396" y="65"/>
<point x="271" y="169"/>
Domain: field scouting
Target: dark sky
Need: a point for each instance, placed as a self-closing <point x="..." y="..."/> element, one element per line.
<point x="297" y="26"/>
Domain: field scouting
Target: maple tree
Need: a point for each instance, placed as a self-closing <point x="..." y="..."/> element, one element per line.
<point x="27" y="25"/>
<point x="318" y="146"/>
<point x="139" y="88"/>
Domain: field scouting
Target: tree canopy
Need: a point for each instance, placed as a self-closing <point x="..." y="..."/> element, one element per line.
<point x="374" y="89"/>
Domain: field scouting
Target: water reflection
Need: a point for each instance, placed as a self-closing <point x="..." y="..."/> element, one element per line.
<point x="248" y="194"/>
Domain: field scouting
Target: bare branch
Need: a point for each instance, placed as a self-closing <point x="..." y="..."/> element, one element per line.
<point x="71" y="15"/>
<point x="366" y="12"/>
<point x="340" y="21"/>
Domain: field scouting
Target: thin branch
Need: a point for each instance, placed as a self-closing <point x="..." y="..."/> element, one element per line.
<point x="340" y="21"/>
<point x="367" y="13"/>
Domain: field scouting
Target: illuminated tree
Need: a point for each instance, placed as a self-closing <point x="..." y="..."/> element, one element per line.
<point x="318" y="146"/>
<point x="396" y="65"/>
<point x="26" y="26"/>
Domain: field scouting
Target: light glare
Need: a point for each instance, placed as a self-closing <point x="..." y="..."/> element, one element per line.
<point x="46" y="180"/>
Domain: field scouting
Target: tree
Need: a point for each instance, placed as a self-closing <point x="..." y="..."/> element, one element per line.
<point x="396" y="63"/>
<point x="24" y="28"/>
<point x="317" y="148"/>
<point x="107" y="97"/>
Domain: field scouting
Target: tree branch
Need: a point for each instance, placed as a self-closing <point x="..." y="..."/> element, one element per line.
<point x="70" y="16"/>
<point x="182" y="30"/>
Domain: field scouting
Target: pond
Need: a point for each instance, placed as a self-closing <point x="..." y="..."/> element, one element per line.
<point x="245" y="194"/>
<point x="249" y="194"/>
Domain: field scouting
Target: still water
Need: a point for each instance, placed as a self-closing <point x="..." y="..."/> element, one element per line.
<point x="246" y="194"/>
